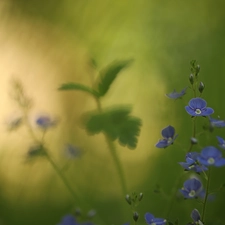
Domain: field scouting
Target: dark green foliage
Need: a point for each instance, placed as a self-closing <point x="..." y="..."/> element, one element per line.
<point x="36" y="151"/>
<point x="115" y="123"/>
<point x="109" y="74"/>
<point x="74" y="86"/>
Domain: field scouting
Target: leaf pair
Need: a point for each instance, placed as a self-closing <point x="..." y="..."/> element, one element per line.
<point x="104" y="81"/>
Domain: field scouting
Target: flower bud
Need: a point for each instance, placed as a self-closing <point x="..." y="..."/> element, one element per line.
<point x="201" y="87"/>
<point x="135" y="216"/>
<point x="140" y="196"/>
<point x="197" y="68"/>
<point x="128" y="199"/>
<point x="194" y="141"/>
<point x="191" y="78"/>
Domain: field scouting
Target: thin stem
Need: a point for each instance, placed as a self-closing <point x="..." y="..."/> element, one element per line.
<point x="206" y="195"/>
<point x="117" y="163"/>
<point x="114" y="155"/>
<point x="193" y="133"/>
<point x="63" y="178"/>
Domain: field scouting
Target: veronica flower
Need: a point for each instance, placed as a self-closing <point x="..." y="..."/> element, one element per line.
<point x="195" y="215"/>
<point x="216" y="122"/>
<point x="211" y="156"/>
<point x="151" y="220"/>
<point x="72" y="151"/>
<point x="192" y="163"/>
<point x="176" y="95"/>
<point x="221" y="142"/>
<point x="197" y="107"/>
<point x="192" y="189"/>
<point x="169" y="136"/>
<point x="45" y="122"/>
<point x="68" y="220"/>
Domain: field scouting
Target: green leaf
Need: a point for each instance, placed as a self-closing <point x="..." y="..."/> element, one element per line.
<point x="116" y="123"/>
<point x="79" y="87"/>
<point x="109" y="74"/>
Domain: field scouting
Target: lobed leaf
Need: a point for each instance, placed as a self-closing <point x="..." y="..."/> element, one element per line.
<point x="117" y="124"/>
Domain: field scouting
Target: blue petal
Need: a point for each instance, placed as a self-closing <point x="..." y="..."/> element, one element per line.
<point x="195" y="215"/>
<point x="220" y="140"/>
<point x="220" y="162"/>
<point x="210" y="152"/>
<point x="217" y="123"/>
<point x="190" y="111"/>
<point x="192" y="184"/>
<point x="162" y="144"/>
<point x="149" y="218"/>
<point x="176" y="95"/>
<point x="185" y="193"/>
<point x="207" y="111"/>
<point x="197" y="103"/>
<point x="168" y="132"/>
<point x="68" y="220"/>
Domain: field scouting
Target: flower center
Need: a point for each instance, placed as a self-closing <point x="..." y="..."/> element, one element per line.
<point x="153" y="224"/>
<point x="169" y="140"/>
<point x="198" y="111"/>
<point x="192" y="193"/>
<point x="211" y="161"/>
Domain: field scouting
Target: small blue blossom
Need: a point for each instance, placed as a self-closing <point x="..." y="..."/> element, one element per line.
<point x="211" y="156"/>
<point x="216" y="122"/>
<point x="176" y="95"/>
<point x="72" y="151"/>
<point x="221" y="142"/>
<point x="151" y="220"/>
<point x="169" y="136"/>
<point x="45" y="122"/>
<point x="68" y="220"/>
<point x="195" y="215"/>
<point x="197" y="107"/>
<point x="192" y="189"/>
<point x="192" y="163"/>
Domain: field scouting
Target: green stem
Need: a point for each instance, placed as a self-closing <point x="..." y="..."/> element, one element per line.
<point x="63" y="178"/>
<point x="114" y="155"/>
<point x="193" y="133"/>
<point x="117" y="164"/>
<point x="206" y="196"/>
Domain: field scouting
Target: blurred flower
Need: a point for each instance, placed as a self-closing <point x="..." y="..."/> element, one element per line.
<point x="192" y="163"/>
<point x="72" y="151"/>
<point x="192" y="189"/>
<point x="197" y="107"/>
<point x="176" y="95"/>
<point x="195" y="215"/>
<point x="216" y="122"/>
<point x="221" y="142"/>
<point x="45" y="122"/>
<point x="68" y="220"/>
<point x="151" y="220"/>
<point x="169" y="136"/>
<point x="91" y="213"/>
<point x="211" y="156"/>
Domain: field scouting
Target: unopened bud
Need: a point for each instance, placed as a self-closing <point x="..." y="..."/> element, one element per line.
<point x="201" y="87"/>
<point x="128" y="199"/>
<point x="197" y="68"/>
<point x="194" y="141"/>
<point x="135" y="216"/>
<point x="140" y="196"/>
<point x="191" y="78"/>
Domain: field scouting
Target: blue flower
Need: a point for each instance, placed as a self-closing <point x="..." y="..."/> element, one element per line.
<point x="176" y="95"/>
<point x="151" y="220"/>
<point x="221" y="142"/>
<point x="192" y="163"/>
<point x="197" y="107"/>
<point x="195" y="215"/>
<point x="216" y="122"/>
<point x="72" y="151"/>
<point x="192" y="189"/>
<point x="45" y="122"/>
<point x="211" y="156"/>
<point x="169" y="136"/>
<point x="68" y="220"/>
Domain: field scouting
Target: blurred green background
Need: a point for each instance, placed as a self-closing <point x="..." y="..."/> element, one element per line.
<point x="47" y="43"/>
